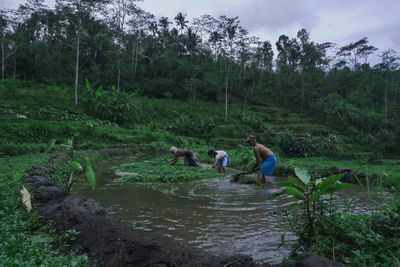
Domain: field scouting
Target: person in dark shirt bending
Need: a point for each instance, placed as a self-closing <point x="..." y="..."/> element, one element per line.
<point x="189" y="160"/>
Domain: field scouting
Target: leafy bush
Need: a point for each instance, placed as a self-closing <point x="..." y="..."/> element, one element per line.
<point x="113" y="105"/>
<point x="291" y="145"/>
<point x="372" y="240"/>
<point x="325" y="230"/>
<point x="195" y="125"/>
<point x="308" y="145"/>
<point x="258" y="127"/>
<point x="14" y="149"/>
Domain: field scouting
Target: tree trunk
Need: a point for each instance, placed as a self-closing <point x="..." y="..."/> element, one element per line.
<point x="302" y="94"/>
<point x="244" y="108"/>
<point x="226" y="92"/>
<point x="77" y="69"/>
<point x="136" y="58"/>
<point x="385" y="98"/>
<point x="119" y="70"/>
<point x="15" y="65"/>
<point x="133" y="60"/>
<point x="59" y="67"/>
<point x="2" y="58"/>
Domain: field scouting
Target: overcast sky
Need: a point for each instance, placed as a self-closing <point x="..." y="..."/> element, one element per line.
<point x="338" y="21"/>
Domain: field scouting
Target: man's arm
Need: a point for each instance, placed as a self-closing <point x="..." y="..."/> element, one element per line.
<point x="174" y="160"/>
<point x="257" y="154"/>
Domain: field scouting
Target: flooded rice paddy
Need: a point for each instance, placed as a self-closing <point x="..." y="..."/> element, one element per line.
<point x="217" y="215"/>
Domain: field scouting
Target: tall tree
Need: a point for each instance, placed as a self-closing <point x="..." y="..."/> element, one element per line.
<point x="76" y="12"/>
<point x="312" y="56"/>
<point x="353" y="52"/>
<point x="4" y="23"/>
<point x="230" y="28"/>
<point x="164" y="23"/>
<point x="191" y="41"/>
<point x="181" y="21"/>
<point x="119" y="11"/>
<point x="389" y="64"/>
<point x="138" y="24"/>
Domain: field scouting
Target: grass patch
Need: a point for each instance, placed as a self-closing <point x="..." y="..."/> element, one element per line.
<point x="158" y="171"/>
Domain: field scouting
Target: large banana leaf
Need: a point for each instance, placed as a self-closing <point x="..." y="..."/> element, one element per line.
<point x="49" y="145"/>
<point x="70" y="181"/>
<point x="316" y="196"/>
<point x="293" y="185"/>
<point x="303" y="175"/>
<point x="76" y="166"/>
<point x="297" y="181"/>
<point x="90" y="175"/>
<point x="330" y="180"/>
<point x="99" y="92"/>
<point x="335" y="188"/>
<point x="294" y="192"/>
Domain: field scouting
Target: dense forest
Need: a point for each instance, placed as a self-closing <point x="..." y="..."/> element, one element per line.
<point x="117" y="46"/>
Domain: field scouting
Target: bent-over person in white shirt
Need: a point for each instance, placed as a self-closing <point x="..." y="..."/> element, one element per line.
<point x="221" y="160"/>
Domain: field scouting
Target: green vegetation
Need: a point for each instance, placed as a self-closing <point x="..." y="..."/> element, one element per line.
<point x="321" y="227"/>
<point x="25" y="240"/>
<point x="158" y="171"/>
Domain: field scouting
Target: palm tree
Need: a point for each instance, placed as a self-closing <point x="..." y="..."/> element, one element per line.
<point x="164" y="24"/>
<point x="180" y="21"/>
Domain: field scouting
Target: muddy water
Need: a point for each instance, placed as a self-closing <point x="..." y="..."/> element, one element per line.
<point x="217" y="215"/>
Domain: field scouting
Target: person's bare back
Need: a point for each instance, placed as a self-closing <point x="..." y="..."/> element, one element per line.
<point x="265" y="159"/>
<point x="263" y="151"/>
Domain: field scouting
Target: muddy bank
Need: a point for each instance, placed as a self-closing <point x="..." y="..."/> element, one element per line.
<point x="110" y="243"/>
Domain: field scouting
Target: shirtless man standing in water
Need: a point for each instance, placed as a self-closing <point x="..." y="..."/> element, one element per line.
<point x="265" y="159"/>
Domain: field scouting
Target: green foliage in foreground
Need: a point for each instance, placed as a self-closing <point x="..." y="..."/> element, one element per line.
<point x="365" y="240"/>
<point x="311" y="192"/>
<point x="158" y="171"/>
<point x="23" y="241"/>
<point x="362" y="240"/>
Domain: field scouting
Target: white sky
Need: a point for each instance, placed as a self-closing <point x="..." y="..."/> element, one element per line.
<point x="338" y="21"/>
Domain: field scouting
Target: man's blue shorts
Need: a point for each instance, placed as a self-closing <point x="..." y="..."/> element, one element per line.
<point x="225" y="161"/>
<point x="267" y="167"/>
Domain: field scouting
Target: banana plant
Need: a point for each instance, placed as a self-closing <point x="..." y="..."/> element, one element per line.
<point x="310" y="191"/>
<point x="69" y="144"/>
<point x="77" y="167"/>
